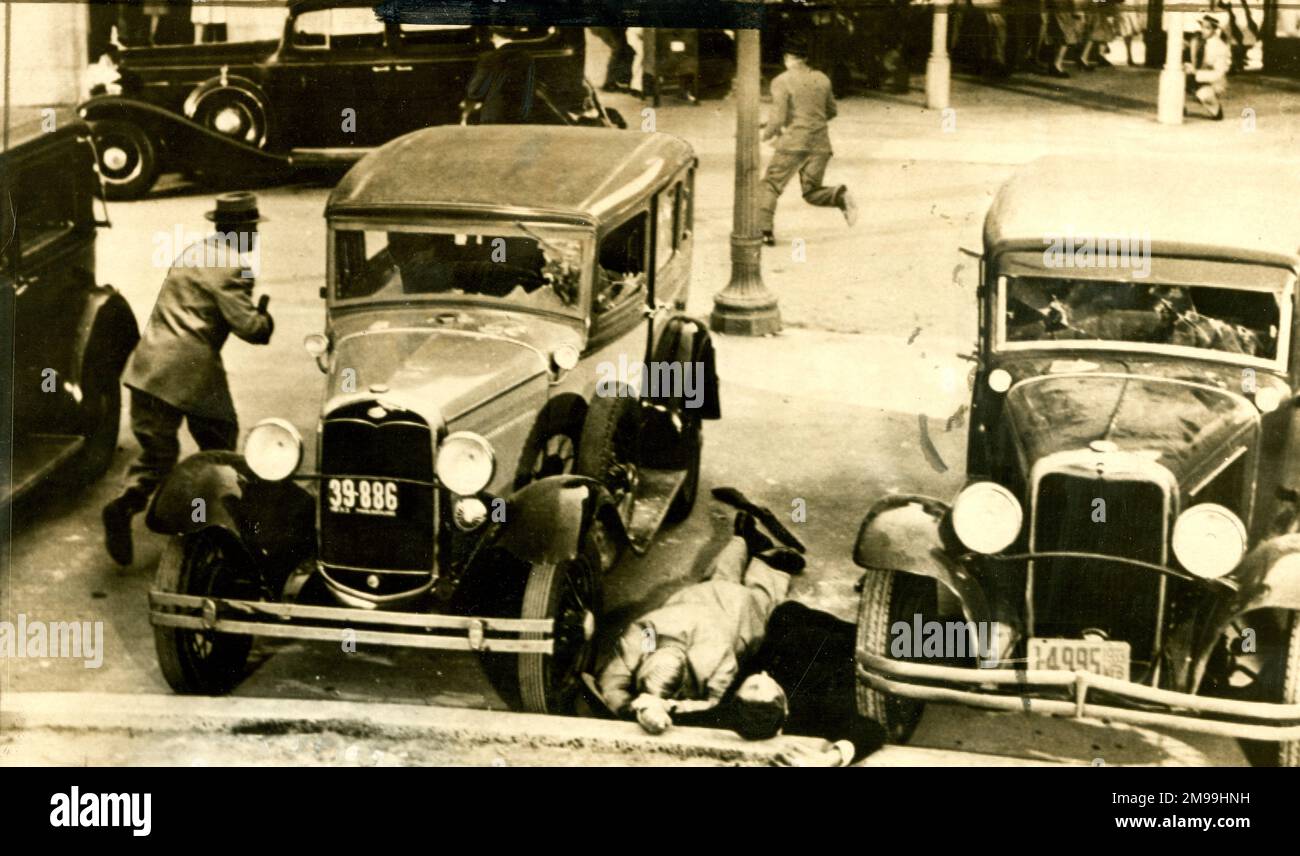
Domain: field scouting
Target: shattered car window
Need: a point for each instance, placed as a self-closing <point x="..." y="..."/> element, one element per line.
<point x="525" y="266"/>
<point x="1229" y="320"/>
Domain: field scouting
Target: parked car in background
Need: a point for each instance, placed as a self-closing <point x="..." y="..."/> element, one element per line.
<point x="484" y="454"/>
<point x="70" y="335"/>
<point x="1127" y="546"/>
<point x="337" y="83"/>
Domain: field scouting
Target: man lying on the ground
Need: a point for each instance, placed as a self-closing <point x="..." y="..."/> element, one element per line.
<point x="685" y="655"/>
<point x="801" y="681"/>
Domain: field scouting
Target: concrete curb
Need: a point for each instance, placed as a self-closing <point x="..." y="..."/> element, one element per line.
<point x="235" y="716"/>
<point x="259" y="716"/>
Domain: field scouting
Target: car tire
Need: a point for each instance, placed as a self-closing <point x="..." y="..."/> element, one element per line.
<point x="196" y="662"/>
<point x="101" y="418"/>
<point x="127" y="157"/>
<point x="887" y="597"/>
<point x="1287" y="752"/>
<point x="611" y="436"/>
<point x="568" y="593"/>
<point x="680" y="509"/>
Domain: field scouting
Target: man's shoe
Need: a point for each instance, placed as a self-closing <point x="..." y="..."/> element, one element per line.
<point x="117" y="529"/>
<point x="849" y="206"/>
<point x="783" y="559"/>
<point x="1218" y="116"/>
<point x="769" y="240"/>
<point x="756" y="541"/>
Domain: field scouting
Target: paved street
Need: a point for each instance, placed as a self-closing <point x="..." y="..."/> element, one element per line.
<point x="866" y="374"/>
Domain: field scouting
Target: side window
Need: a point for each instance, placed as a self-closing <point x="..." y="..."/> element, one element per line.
<point x="621" y="269"/>
<point x="436" y="35"/>
<point x="345" y="28"/>
<point x="686" y="208"/>
<point x="46" y="203"/>
<point x="666" y="229"/>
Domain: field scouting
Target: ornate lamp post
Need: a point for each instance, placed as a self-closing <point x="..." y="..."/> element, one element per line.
<point x="746" y="306"/>
<point x="938" y="68"/>
<point x="1169" y="107"/>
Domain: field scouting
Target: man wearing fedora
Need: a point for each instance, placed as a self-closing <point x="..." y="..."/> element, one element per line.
<point x="175" y="372"/>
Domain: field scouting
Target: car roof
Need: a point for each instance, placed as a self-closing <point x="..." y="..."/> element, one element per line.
<point x="27" y="124"/>
<point x="1223" y="208"/>
<point x="590" y="175"/>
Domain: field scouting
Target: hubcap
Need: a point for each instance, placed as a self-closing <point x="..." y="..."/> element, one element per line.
<point x="115" y="158"/>
<point x="227" y="121"/>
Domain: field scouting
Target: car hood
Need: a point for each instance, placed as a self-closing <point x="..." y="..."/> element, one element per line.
<point x="1177" y="423"/>
<point x="441" y="374"/>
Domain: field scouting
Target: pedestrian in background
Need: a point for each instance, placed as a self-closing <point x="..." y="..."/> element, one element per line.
<point x="1100" y="28"/>
<point x="1062" y="33"/>
<point x="175" y="373"/>
<point x="802" y="107"/>
<point x="1132" y="24"/>
<point x="618" y="70"/>
<point x="503" y="82"/>
<point x="1207" y="73"/>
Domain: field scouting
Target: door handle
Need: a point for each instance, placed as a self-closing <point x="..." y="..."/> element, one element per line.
<point x="381" y="68"/>
<point x="405" y="68"/>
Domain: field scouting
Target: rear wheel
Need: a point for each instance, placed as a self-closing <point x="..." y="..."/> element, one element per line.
<point x="127" y="157"/>
<point x="568" y="593"/>
<point x="887" y="597"/>
<point x="201" y="662"/>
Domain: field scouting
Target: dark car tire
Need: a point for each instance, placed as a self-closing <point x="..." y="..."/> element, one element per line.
<point x="127" y="157"/>
<point x="1288" y="751"/>
<point x="887" y="597"/>
<point x="569" y="593"/>
<point x="682" y="504"/>
<point x="101" y="417"/>
<point x="611" y="436"/>
<point x="196" y="662"/>
<point x="220" y="106"/>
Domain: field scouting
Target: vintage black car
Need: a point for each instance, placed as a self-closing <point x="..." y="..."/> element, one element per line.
<point x="70" y="336"/>
<point x="337" y="83"/>
<point x="1127" y="546"/>
<point x="484" y="452"/>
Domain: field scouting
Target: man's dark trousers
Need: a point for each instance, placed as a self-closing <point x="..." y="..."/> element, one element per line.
<point x="156" y="426"/>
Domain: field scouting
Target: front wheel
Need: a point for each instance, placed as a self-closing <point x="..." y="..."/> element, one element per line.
<point x="1286" y="753"/>
<point x="569" y="594"/>
<point x="127" y="157"/>
<point x="201" y="662"/>
<point x="889" y="597"/>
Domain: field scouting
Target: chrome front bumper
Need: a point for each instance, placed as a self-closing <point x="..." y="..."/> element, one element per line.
<point x="330" y="624"/>
<point x="1027" y="691"/>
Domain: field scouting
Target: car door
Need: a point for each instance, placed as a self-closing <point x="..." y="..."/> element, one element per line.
<point x="434" y="64"/>
<point x="619" y="292"/>
<point x="336" y="73"/>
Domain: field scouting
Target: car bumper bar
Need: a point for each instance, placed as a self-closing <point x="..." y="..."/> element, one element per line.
<point x="1026" y="691"/>
<point x="342" y="624"/>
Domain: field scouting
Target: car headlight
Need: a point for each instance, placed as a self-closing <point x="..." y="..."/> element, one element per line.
<point x="465" y="463"/>
<point x="1209" y="540"/>
<point x="986" y="517"/>
<point x="273" y="449"/>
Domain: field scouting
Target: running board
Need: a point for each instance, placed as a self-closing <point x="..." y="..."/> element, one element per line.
<point x="36" y="457"/>
<point x="656" y="490"/>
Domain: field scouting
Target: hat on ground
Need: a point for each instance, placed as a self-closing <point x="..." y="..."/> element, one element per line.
<point x="235" y="209"/>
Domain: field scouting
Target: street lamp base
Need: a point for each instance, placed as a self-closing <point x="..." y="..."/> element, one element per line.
<point x="745" y="321"/>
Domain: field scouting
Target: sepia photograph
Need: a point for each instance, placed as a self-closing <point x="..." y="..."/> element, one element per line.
<point x="799" y="383"/>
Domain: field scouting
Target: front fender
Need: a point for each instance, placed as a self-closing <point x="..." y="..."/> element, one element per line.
<point x="686" y="342"/>
<point x="188" y="144"/>
<point x="904" y="533"/>
<point x="108" y="334"/>
<point x="547" y="519"/>
<point x="274" y="521"/>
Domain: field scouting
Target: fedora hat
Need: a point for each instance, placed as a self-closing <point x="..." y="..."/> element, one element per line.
<point x="235" y="209"/>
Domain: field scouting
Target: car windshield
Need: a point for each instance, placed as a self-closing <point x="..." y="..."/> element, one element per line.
<point x="529" y="266"/>
<point x="1041" y="311"/>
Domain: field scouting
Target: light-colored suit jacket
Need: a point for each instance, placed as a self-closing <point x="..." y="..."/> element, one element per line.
<point x="178" y="358"/>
